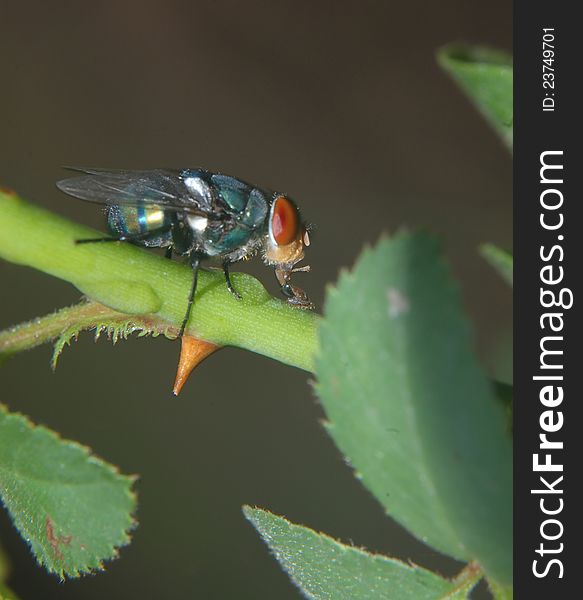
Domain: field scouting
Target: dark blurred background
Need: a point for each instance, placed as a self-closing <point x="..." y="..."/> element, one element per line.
<point x="339" y="104"/>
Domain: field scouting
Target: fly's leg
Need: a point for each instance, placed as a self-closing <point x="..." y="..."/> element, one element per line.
<point x="228" y="281"/>
<point x="295" y="295"/>
<point x="195" y="264"/>
<point x="168" y="253"/>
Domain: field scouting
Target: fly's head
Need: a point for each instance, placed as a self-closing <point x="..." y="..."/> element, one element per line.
<point x="284" y="247"/>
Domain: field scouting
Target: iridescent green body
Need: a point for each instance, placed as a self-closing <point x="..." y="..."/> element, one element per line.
<point x="199" y="214"/>
<point x="242" y="208"/>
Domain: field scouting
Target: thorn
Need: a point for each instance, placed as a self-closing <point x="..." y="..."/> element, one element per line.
<point x="192" y="353"/>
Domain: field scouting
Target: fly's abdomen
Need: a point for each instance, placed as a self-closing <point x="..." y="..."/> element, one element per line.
<point x="151" y="223"/>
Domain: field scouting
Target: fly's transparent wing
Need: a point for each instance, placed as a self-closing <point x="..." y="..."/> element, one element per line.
<point x="162" y="188"/>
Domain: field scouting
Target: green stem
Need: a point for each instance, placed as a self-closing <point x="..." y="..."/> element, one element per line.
<point x="68" y="322"/>
<point x="136" y="282"/>
<point x="45" y="329"/>
<point x="467" y="579"/>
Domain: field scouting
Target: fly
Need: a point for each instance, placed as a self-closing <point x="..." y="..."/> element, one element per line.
<point x="200" y="215"/>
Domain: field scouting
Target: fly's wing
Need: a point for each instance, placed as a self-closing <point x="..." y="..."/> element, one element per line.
<point x="162" y="188"/>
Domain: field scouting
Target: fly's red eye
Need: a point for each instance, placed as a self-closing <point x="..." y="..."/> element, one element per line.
<point x="284" y="221"/>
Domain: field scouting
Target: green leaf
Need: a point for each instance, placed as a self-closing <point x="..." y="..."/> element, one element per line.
<point x="4" y="565"/>
<point x="73" y="509"/>
<point x="485" y="75"/>
<point x="505" y="394"/>
<point x="6" y="593"/>
<point x="409" y="407"/>
<point x="326" y="569"/>
<point x="500" y="260"/>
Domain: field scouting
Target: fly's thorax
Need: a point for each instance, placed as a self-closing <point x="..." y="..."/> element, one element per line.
<point x="286" y="235"/>
<point x="226" y="237"/>
<point x="197" y="223"/>
<point x="220" y="194"/>
<point x="235" y="221"/>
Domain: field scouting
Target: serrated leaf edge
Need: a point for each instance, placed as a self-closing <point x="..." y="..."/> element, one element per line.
<point x="466" y="580"/>
<point x="112" y="469"/>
